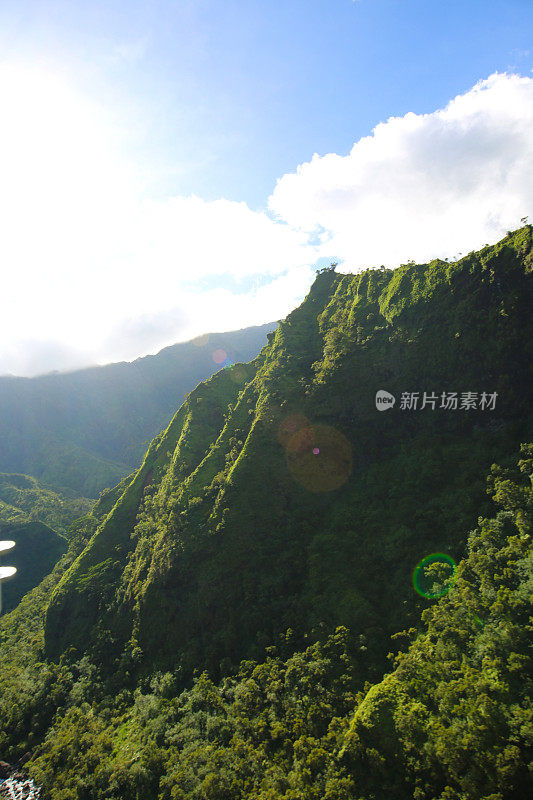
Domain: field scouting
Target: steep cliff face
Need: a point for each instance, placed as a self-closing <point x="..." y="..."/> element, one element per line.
<point x="280" y="497"/>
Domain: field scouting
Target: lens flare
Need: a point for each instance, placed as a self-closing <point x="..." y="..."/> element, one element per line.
<point x="219" y="356"/>
<point x="434" y="576"/>
<point x="290" y="425"/>
<point x="326" y="473"/>
<point x="302" y="441"/>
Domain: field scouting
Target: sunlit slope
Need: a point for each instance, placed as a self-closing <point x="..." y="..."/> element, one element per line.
<point x="280" y="497"/>
<point x="24" y="499"/>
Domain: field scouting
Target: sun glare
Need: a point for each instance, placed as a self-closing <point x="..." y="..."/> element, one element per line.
<point x="61" y="176"/>
<point x="54" y="144"/>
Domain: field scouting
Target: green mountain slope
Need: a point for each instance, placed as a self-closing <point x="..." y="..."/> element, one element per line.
<point x="87" y="429"/>
<point x="452" y="721"/>
<point x="38" y="519"/>
<point x="279" y="497"/>
<point x="270" y="537"/>
<point x="24" y="499"/>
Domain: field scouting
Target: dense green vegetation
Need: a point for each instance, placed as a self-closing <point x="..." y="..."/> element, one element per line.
<point x="38" y="519"/>
<point x="453" y="719"/>
<point x="221" y="541"/>
<point x="227" y="621"/>
<point x="86" y="430"/>
<point x="24" y="499"/>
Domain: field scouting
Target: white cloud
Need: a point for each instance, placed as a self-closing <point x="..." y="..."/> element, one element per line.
<point x="422" y="186"/>
<point x="210" y="310"/>
<point x="94" y="270"/>
<point x="89" y="260"/>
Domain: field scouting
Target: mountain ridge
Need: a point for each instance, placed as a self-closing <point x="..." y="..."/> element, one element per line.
<point x="185" y="520"/>
<point x="283" y="600"/>
<point x="87" y="429"/>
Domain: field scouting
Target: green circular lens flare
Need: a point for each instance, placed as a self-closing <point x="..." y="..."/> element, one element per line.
<point x="434" y="575"/>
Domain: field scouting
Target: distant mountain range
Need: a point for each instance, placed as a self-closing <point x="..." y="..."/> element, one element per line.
<point x="88" y="429"/>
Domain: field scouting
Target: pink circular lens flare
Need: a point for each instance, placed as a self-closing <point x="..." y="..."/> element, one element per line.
<point x="219" y="356"/>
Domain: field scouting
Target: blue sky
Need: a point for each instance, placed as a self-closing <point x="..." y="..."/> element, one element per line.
<point x="221" y="101"/>
<point x="234" y="94"/>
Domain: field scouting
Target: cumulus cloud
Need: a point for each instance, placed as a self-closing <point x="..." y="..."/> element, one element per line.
<point x="421" y="186"/>
<point x="210" y="310"/>
<point x="93" y="269"/>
